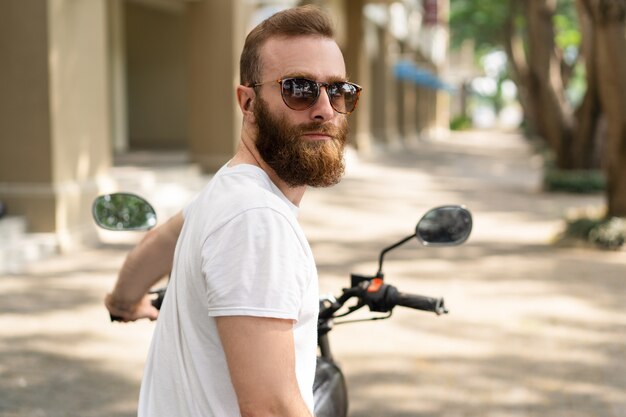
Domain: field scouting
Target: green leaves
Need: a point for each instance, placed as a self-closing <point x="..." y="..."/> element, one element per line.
<point x="566" y="27"/>
<point x="479" y="20"/>
<point x="484" y="22"/>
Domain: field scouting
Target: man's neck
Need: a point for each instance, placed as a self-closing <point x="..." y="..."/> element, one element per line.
<point x="248" y="154"/>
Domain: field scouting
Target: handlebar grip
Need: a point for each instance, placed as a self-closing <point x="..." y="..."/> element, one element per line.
<point x="419" y="302"/>
<point x="156" y="302"/>
<point x="115" y="318"/>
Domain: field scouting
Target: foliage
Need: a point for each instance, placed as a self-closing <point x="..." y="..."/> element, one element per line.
<point x="562" y="103"/>
<point x="484" y="21"/>
<point x="566" y="26"/>
<point x="580" y="181"/>
<point x="478" y="20"/>
<point x="610" y="234"/>
<point x="601" y="232"/>
<point x="574" y="181"/>
<point x="461" y="122"/>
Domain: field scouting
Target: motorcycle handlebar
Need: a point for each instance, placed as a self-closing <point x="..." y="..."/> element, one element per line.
<point x="156" y="302"/>
<point x="383" y="298"/>
<point x="419" y="302"/>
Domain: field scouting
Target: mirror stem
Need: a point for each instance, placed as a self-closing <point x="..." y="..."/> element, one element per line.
<point x="387" y="249"/>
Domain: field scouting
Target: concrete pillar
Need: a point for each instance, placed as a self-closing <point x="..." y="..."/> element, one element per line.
<point x="391" y="100"/>
<point x="442" y="100"/>
<point x="384" y="123"/>
<point x="420" y="111"/>
<point x="216" y="32"/>
<point x="427" y="113"/>
<point x="54" y="113"/>
<point x="400" y="89"/>
<point x="357" y="68"/>
<point x="409" y="126"/>
<point x="406" y="103"/>
<point x="442" y="128"/>
<point x="117" y="74"/>
<point x="378" y="91"/>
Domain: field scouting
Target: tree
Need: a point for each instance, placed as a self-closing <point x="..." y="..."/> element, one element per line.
<point x="591" y="133"/>
<point x="540" y="66"/>
<point x="607" y="19"/>
<point x="542" y="73"/>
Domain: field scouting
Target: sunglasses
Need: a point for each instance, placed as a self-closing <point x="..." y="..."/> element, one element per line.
<point x="302" y="93"/>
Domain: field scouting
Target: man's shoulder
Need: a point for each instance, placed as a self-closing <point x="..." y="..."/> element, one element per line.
<point x="244" y="187"/>
<point x="245" y="190"/>
<point x="234" y="193"/>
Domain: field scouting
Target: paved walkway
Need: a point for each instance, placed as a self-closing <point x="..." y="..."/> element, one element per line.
<point x="534" y="330"/>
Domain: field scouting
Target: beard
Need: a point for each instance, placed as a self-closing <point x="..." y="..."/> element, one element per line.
<point x="296" y="160"/>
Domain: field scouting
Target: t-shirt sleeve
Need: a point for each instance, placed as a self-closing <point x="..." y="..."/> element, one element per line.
<point x="188" y="206"/>
<point x="255" y="265"/>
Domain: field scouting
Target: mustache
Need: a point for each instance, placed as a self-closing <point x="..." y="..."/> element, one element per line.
<point x="325" y="128"/>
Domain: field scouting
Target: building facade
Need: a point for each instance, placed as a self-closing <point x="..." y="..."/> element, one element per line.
<point x="86" y="81"/>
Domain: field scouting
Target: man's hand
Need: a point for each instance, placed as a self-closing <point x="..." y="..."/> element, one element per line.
<point x="261" y="360"/>
<point x="146" y="264"/>
<point x="128" y="312"/>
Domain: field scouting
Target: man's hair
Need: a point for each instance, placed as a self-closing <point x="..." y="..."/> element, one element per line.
<point x="300" y="21"/>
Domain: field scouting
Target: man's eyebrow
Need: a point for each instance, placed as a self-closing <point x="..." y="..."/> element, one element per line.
<point x="337" y="79"/>
<point x="331" y="79"/>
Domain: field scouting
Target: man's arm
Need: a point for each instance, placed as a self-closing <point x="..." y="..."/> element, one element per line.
<point x="148" y="262"/>
<point x="261" y="360"/>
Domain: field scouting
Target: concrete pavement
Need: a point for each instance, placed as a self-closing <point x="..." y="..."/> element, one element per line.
<point x="534" y="329"/>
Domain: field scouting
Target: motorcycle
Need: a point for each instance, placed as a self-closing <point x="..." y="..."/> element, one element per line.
<point x="442" y="226"/>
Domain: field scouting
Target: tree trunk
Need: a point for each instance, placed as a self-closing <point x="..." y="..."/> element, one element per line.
<point x="609" y="20"/>
<point x="554" y="121"/>
<point x="586" y="144"/>
<point x="572" y="136"/>
<point x="518" y="65"/>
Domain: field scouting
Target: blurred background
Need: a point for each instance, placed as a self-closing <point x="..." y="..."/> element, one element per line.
<point x="88" y="84"/>
<point x="515" y="108"/>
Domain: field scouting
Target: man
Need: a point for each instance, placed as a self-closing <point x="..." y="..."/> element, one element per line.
<point x="237" y="331"/>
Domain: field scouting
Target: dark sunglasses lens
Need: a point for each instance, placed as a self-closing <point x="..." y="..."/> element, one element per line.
<point x="299" y="93"/>
<point x="343" y="97"/>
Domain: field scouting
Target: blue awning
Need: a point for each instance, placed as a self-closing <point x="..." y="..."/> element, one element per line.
<point x="408" y="71"/>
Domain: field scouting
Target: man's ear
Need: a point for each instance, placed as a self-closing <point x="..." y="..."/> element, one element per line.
<point x="245" y="98"/>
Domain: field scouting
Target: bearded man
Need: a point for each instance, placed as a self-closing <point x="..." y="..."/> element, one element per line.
<point x="237" y="332"/>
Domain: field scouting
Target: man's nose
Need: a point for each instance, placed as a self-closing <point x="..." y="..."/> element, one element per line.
<point x="322" y="110"/>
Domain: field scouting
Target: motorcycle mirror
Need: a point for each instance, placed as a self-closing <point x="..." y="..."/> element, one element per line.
<point x="123" y="211"/>
<point x="441" y="226"/>
<point x="444" y="226"/>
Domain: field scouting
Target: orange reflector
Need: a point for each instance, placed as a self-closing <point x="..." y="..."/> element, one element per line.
<point x="375" y="285"/>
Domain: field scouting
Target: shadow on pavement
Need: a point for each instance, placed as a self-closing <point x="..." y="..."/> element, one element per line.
<point x="533" y="330"/>
<point x="36" y="382"/>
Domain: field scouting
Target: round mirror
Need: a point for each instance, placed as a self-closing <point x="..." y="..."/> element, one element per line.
<point x="122" y="211"/>
<point x="447" y="225"/>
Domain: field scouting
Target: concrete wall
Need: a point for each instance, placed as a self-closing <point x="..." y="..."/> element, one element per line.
<point x="156" y="77"/>
<point x="75" y="70"/>
<point x="55" y="121"/>
<point x="79" y="106"/>
<point x="215" y="40"/>
<point x="24" y="86"/>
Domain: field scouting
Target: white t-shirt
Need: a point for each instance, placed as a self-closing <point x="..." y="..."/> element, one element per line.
<point x="241" y="252"/>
